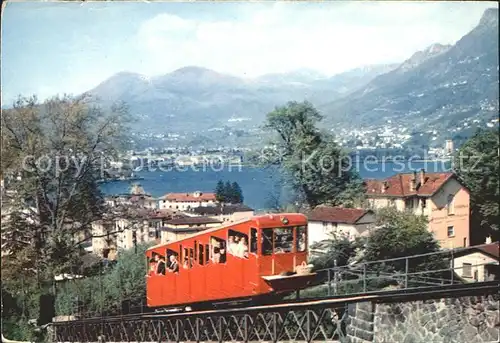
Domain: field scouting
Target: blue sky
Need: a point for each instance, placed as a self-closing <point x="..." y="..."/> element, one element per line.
<point x="50" y="48"/>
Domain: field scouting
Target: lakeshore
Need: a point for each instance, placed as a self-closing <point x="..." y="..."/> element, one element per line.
<point x="260" y="186"/>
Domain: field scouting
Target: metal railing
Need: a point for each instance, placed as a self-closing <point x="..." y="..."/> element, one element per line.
<point x="408" y="272"/>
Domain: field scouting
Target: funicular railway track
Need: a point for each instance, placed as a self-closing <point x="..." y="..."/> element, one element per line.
<point x="305" y="320"/>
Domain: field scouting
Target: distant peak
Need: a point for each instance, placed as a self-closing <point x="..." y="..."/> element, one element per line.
<point x="490" y="17"/>
<point x="192" y="70"/>
<point x="436" y="48"/>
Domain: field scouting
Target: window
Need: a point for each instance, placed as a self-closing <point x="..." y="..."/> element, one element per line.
<point x="195" y="250"/>
<point x="450" y="205"/>
<point x="465" y="242"/>
<point x="451" y="231"/>
<point x="283" y="240"/>
<point x="301" y="239"/>
<point x="218" y="250"/>
<point x="207" y="253"/>
<point x="185" y="258"/>
<point x="409" y="204"/>
<point x="237" y="244"/>
<point x="253" y="240"/>
<point x="191" y="258"/>
<point x="172" y="261"/>
<point x="467" y="270"/>
<point x="424" y="203"/>
<point x="267" y="241"/>
<point x="392" y="202"/>
<point x="201" y="255"/>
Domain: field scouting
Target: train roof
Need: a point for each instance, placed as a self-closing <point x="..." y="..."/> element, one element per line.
<point x="228" y="225"/>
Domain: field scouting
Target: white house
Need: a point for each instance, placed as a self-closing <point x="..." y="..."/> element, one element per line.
<point x="186" y="201"/>
<point x="349" y="222"/>
<point x="478" y="263"/>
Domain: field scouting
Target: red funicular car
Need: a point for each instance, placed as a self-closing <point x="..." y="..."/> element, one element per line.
<point x="251" y="259"/>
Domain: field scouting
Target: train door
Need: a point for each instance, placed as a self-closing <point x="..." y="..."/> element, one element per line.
<point x="216" y="277"/>
<point x="237" y="251"/>
<point x="251" y="271"/>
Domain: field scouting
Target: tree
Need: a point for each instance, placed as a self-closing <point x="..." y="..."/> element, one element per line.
<point x="236" y="193"/>
<point x="56" y="152"/>
<point x="219" y="191"/>
<point x="402" y="234"/>
<point x="228" y="192"/>
<point x="477" y="168"/>
<point x="315" y="166"/>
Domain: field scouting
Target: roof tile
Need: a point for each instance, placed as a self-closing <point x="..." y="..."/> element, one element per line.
<point x="400" y="184"/>
<point x="337" y="214"/>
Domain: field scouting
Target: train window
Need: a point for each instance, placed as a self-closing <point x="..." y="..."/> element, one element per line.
<point x="283" y="240"/>
<point x="218" y="250"/>
<point x="172" y="261"/>
<point x="253" y="240"/>
<point x="153" y="264"/>
<point x="267" y="241"/>
<point x="301" y="238"/>
<point x="200" y="254"/>
<point x="195" y="250"/>
<point x="207" y="253"/>
<point x="237" y="244"/>
<point x="185" y="258"/>
<point x="191" y="258"/>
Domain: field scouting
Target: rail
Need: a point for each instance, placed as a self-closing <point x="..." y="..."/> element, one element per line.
<point x="306" y="320"/>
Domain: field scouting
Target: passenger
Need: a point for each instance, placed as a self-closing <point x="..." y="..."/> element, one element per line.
<point x="216" y="255"/>
<point x="160" y="267"/>
<point x="152" y="266"/>
<point x="232" y="246"/>
<point x="222" y="255"/>
<point x="185" y="264"/>
<point x="242" y="248"/>
<point x="174" y="265"/>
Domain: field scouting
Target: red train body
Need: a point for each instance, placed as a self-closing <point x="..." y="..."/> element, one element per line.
<point x="247" y="259"/>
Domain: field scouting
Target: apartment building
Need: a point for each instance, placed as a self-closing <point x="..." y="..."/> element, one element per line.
<point x="439" y="196"/>
<point x="223" y="212"/>
<point x="179" y="228"/>
<point x="186" y="201"/>
<point x="119" y="234"/>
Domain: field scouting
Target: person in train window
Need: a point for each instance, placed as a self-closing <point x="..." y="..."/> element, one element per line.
<point x="222" y="255"/>
<point x="216" y="255"/>
<point x="242" y="248"/>
<point x="231" y="246"/>
<point x="152" y="266"/>
<point x="160" y="267"/>
<point x="174" y="265"/>
<point x="185" y="263"/>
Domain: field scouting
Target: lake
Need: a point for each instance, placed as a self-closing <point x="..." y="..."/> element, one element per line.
<point x="259" y="185"/>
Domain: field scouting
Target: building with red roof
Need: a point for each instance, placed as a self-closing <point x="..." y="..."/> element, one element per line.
<point x="327" y="221"/>
<point x="439" y="196"/>
<point x="186" y="201"/>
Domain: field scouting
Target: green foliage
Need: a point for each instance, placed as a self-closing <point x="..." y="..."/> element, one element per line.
<point x="229" y="192"/>
<point x="219" y="191"/>
<point x="317" y="169"/>
<point x="116" y="284"/>
<point x="476" y="164"/>
<point x="402" y="234"/>
<point x="339" y="249"/>
<point x="56" y="151"/>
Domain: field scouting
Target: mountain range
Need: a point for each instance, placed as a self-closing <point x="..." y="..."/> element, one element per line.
<point x="438" y="87"/>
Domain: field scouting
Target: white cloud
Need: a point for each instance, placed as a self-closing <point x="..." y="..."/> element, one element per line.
<point x="329" y="37"/>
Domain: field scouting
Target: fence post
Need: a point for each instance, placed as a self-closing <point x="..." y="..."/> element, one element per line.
<point x="452" y="267"/>
<point x="406" y="271"/>
<point x="364" y="277"/>
<point x="335" y="277"/>
<point x="329" y="282"/>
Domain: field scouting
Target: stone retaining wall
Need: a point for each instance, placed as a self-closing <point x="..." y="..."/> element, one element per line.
<point x="451" y="320"/>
